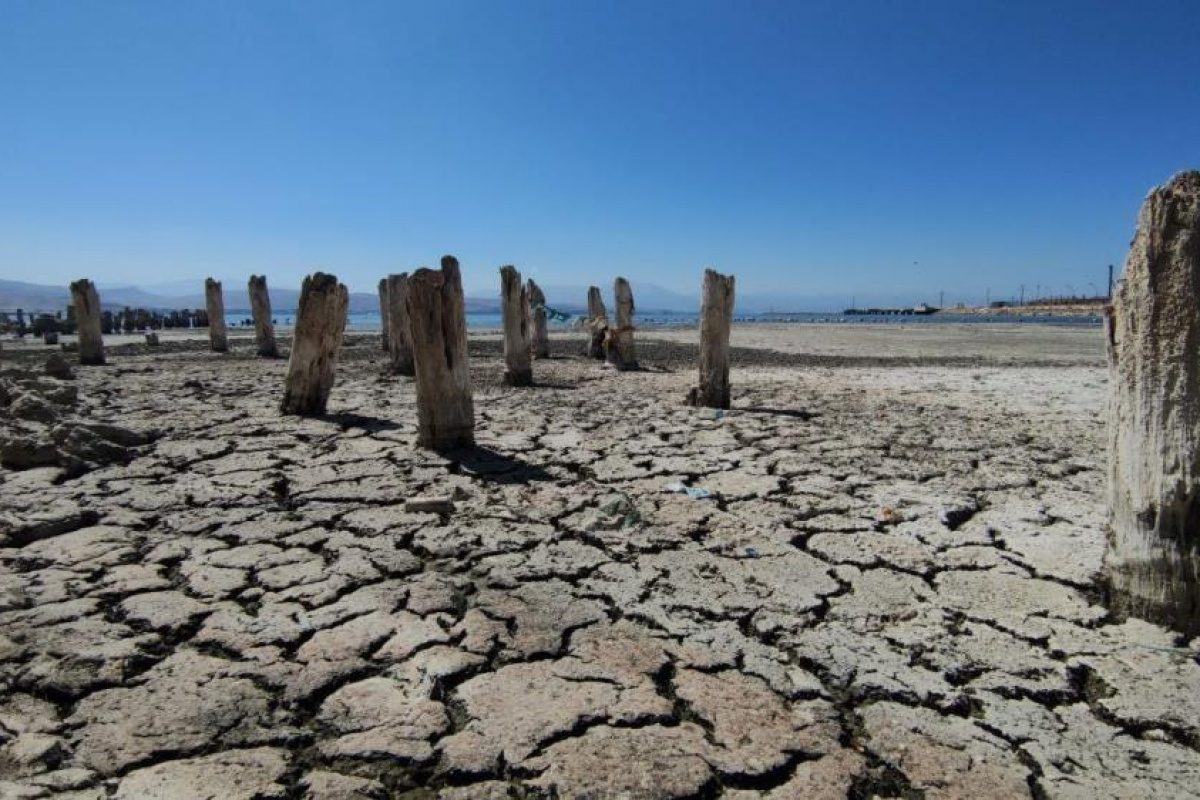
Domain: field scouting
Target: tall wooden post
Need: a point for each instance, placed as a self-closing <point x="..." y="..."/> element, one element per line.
<point x="260" y="310"/>
<point x="597" y="322"/>
<point x="514" y="305"/>
<point x="399" y="332"/>
<point x="320" y="324"/>
<point x="537" y="317"/>
<point x="214" y="302"/>
<point x="1153" y="331"/>
<point x="86" y="303"/>
<point x="383" y="315"/>
<point x="716" y="315"/>
<point x="445" y="409"/>
<point x="626" y="358"/>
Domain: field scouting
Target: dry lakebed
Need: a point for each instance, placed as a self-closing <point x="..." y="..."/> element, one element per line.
<point x="877" y="575"/>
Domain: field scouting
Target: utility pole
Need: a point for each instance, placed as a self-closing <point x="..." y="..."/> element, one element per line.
<point x="1110" y="271"/>
<point x="941" y="299"/>
<point x="1022" y="294"/>
<point x="988" y="298"/>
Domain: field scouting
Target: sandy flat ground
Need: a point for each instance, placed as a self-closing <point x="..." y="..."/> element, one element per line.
<point x="890" y="589"/>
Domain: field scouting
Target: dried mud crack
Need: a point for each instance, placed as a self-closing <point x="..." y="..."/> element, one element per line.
<point x="891" y="589"/>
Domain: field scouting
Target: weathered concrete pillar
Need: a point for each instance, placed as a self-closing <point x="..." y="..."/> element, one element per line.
<point x="399" y="332"/>
<point x="537" y="318"/>
<point x="383" y="315"/>
<point x="214" y="302"/>
<point x="320" y="323"/>
<point x="626" y="358"/>
<point x="716" y="315"/>
<point x="1153" y="333"/>
<point x="88" y="315"/>
<point x="445" y="409"/>
<point x="597" y="322"/>
<point x="514" y="307"/>
<point x="260" y="311"/>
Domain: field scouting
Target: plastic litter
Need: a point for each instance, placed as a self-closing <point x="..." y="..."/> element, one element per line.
<point x="694" y="492"/>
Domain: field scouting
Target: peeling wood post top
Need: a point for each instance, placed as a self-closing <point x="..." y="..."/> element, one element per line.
<point x="597" y="322"/>
<point x="625" y="356"/>
<point x="399" y="328"/>
<point x="716" y="317"/>
<point x="260" y="311"/>
<point x="320" y="325"/>
<point x="89" y="322"/>
<point x="596" y="309"/>
<point x="1152" y="331"/>
<point x="383" y="315"/>
<point x="215" y="305"/>
<point x="537" y="319"/>
<point x="445" y="408"/>
<point x="514" y="306"/>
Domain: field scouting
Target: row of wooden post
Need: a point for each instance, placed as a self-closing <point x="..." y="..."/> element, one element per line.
<point x="1152" y="327"/>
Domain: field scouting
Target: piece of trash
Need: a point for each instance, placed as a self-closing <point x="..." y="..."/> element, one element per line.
<point x="718" y="413"/>
<point x="752" y="552"/>
<point x="694" y="492"/>
<point x="888" y="512"/>
<point x="431" y="504"/>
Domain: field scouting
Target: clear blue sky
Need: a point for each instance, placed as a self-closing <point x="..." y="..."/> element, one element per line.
<point x="813" y="147"/>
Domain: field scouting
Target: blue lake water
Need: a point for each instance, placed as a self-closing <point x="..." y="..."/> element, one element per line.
<point x="366" y="321"/>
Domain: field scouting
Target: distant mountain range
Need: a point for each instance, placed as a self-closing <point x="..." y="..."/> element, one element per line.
<point x="648" y="297"/>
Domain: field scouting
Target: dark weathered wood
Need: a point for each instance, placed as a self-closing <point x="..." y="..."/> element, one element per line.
<point x="597" y="322"/>
<point x="320" y="325"/>
<point x="514" y="307"/>
<point x="537" y="319"/>
<point x="384" y="305"/>
<point x="625" y="356"/>
<point x="716" y="315"/>
<point x="445" y="409"/>
<point x="399" y="333"/>
<point x="214" y="302"/>
<point x="86" y="303"/>
<point x="1153" y="332"/>
<point x="260" y="311"/>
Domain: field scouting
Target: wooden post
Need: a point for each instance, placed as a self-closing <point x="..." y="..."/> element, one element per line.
<point x="320" y="324"/>
<point x="537" y="316"/>
<point x="88" y="315"/>
<point x="626" y="358"/>
<point x="214" y="302"/>
<point x="383" y="315"/>
<point x="514" y="304"/>
<point x="445" y="409"/>
<point x="260" y="310"/>
<point x="1153" y="326"/>
<point x="597" y="322"/>
<point x="716" y="315"/>
<point x="399" y="333"/>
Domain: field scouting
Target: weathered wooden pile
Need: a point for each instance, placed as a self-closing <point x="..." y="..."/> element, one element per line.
<point x="1153" y="336"/>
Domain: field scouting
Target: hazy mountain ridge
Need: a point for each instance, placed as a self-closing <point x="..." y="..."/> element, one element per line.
<point x="648" y="298"/>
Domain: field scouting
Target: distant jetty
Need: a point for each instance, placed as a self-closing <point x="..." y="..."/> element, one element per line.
<point x="920" y="310"/>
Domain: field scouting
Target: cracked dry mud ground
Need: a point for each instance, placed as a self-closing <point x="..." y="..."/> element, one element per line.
<point x="893" y="591"/>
